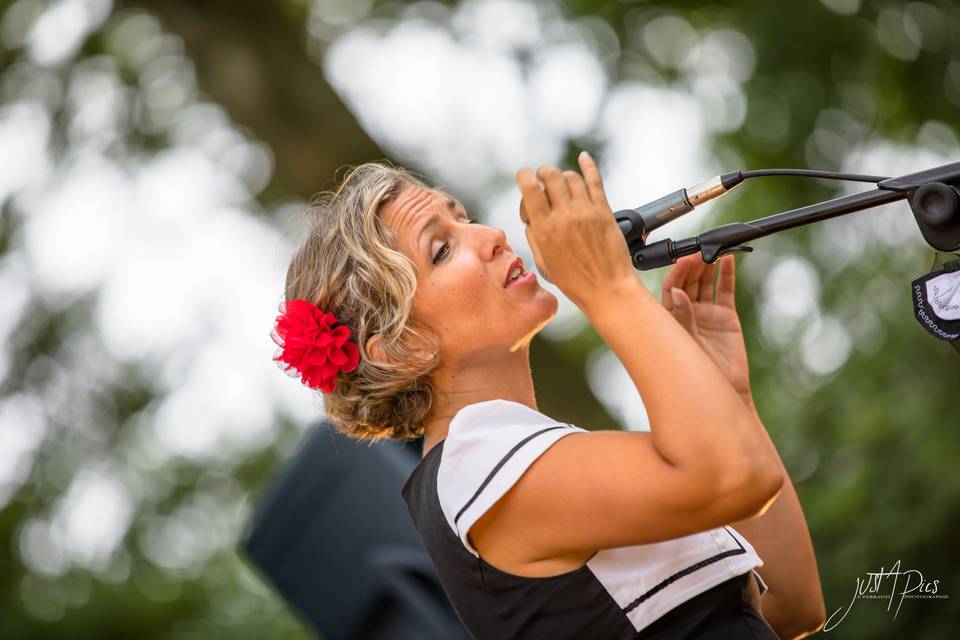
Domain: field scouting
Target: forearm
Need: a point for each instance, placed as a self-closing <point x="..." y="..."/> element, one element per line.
<point x="780" y="536"/>
<point x="681" y="386"/>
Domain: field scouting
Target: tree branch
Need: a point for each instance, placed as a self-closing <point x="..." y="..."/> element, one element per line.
<point x="250" y="57"/>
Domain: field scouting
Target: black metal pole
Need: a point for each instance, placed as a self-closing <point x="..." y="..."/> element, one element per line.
<point x="933" y="195"/>
<point x="727" y="238"/>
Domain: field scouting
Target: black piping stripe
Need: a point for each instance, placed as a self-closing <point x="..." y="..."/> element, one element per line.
<point x="735" y="539"/>
<point x="679" y="574"/>
<point x="500" y="464"/>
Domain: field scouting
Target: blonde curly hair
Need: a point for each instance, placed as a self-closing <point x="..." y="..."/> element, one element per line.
<point x="349" y="264"/>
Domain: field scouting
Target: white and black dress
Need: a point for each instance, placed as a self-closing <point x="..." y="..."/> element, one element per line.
<point x="695" y="586"/>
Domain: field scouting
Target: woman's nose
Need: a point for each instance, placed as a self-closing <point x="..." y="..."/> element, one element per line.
<point x="495" y="241"/>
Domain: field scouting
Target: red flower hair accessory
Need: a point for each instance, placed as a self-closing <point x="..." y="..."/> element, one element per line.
<point x="310" y="346"/>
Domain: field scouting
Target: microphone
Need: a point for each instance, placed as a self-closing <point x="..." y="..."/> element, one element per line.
<point x="637" y="223"/>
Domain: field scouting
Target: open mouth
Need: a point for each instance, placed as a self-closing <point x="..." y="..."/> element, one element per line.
<point x="515" y="272"/>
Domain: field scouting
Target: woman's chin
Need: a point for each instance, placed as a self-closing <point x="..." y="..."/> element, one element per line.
<point x="553" y="304"/>
<point x="539" y="321"/>
<point x="543" y="295"/>
<point x="543" y="304"/>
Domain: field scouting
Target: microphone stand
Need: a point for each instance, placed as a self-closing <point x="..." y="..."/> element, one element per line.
<point x="933" y="195"/>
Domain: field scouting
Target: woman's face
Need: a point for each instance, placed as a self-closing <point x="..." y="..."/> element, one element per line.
<point x="461" y="269"/>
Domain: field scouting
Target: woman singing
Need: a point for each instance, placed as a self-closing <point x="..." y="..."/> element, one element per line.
<point x="538" y="528"/>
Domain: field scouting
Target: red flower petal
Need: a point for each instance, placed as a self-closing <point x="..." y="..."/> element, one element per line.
<point x="323" y="339"/>
<point x="337" y="357"/>
<point x="311" y="345"/>
<point x="340" y="335"/>
<point x="353" y="356"/>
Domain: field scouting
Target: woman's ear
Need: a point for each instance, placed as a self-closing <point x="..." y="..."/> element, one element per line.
<point x="375" y="349"/>
<point x="378" y="354"/>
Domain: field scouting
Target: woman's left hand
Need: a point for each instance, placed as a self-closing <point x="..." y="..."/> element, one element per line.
<point x="715" y="325"/>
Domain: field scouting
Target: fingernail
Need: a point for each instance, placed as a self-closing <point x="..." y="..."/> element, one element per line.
<point x="584" y="154"/>
<point x="675" y="294"/>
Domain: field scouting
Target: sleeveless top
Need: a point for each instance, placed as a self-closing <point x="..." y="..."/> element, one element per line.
<point x="616" y="594"/>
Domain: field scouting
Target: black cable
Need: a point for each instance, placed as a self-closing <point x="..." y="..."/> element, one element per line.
<point x="812" y="173"/>
<point x="659" y="212"/>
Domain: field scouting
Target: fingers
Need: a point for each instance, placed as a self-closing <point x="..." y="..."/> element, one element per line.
<point x="534" y="205"/>
<point x="556" y="186"/>
<point x="706" y="281"/>
<point x="691" y="282"/>
<point x="726" y="284"/>
<point x="560" y="188"/>
<point x="593" y="180"/>
<point x="676" y="278"/>
<point x="694" y="276"/>
<point x="577" y="187"/>
<point x="683" y="312"/>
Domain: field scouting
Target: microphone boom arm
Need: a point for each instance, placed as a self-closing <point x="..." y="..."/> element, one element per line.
<point x="933" y="195"/>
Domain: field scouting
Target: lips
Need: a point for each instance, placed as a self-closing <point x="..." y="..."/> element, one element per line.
<point x="517" y="262"/>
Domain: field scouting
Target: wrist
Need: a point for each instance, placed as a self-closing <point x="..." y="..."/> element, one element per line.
<point x="612" y="294"/>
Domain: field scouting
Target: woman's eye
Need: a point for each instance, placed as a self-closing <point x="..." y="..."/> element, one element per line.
<point x="444" y="249"/>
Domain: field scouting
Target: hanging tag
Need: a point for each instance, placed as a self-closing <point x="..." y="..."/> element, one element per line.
<point x="936" y="302"/>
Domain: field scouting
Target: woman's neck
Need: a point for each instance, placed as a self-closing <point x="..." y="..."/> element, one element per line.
<point x="508" y="379"/>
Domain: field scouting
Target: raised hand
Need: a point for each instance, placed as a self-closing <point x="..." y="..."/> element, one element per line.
<point x="713" y="323"/>
<point x="571" y="230"/>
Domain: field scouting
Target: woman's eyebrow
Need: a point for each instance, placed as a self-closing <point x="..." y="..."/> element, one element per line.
<point x="453" y="204"/>
<point x="432" y="220"/>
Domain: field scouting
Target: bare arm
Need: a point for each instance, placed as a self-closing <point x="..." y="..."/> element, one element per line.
<point x="702" y="464"/>
<point x="685" y="392"/>
<point x="573" y="233"/>
<point x="793" y="603"/>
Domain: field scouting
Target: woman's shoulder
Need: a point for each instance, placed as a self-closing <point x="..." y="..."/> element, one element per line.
<point x="488" y="447"/>
<point x="485" y="435"/>
<point x="497" y="420"/>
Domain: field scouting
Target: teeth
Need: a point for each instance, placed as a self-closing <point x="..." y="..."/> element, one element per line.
<point x="517" y="272"/>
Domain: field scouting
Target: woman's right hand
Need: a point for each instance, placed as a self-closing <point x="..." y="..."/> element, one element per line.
<point x="571" y="230"/>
